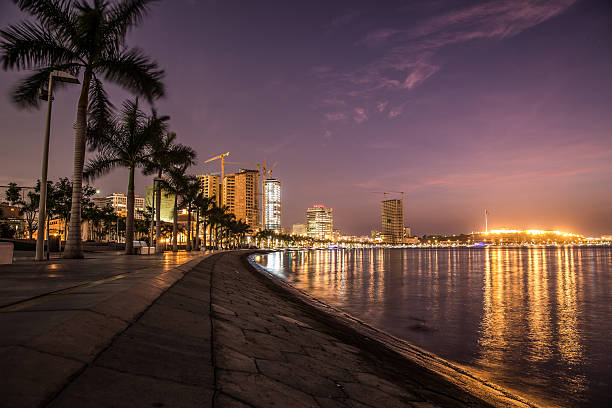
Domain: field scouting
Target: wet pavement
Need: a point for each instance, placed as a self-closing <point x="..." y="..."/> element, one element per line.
<point x="211" y="332"/>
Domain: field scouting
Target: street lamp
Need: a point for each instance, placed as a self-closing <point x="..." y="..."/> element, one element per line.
<point x="60" y="76"/>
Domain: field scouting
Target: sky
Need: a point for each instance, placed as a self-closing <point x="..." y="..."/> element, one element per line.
<point x="462" y="105"/>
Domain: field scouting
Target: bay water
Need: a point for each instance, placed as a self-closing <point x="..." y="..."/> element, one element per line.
<point x="535" y="320"/>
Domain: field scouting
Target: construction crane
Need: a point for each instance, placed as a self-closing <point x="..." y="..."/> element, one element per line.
<point x="270" y="169"/>
<point x="388" y="192"/>
<point x="221" y="156"/>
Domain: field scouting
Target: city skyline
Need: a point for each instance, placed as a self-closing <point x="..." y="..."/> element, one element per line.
<point x="506" y="112"/>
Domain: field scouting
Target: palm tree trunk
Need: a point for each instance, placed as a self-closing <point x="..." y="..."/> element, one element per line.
<point x="204" y="232"/>
<point x="175" y="225"/>
<point x="74" y="244"/>
<point x="196" y="244"/>
<point x="188" y="244"/>
<point x="129" y="221"/>
<point x="158" y="244"/>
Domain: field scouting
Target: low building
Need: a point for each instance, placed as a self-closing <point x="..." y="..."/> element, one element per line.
<point x="299" y="229"/>
<point x="118" y="202"/>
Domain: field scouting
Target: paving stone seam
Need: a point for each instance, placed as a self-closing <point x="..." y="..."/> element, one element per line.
<point x="106" y="367"/>
<point x="374" y="337"/>
<point x="53" y="397"/>
<point x="212" y="330"/>
<point x="220" y="392"/>
<point x="28" y="347"/>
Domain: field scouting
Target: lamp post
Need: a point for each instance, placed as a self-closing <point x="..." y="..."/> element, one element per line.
<point x="40" y="235"/>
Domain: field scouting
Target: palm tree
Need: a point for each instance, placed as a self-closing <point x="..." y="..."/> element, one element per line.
<point x="76" y="36"/>
<point x="190" y="192"/>
<point x="165" y="154"/>
<point x="174" y="185"/>
<point x="204" y="207"/>
<point x="125" y="144"/>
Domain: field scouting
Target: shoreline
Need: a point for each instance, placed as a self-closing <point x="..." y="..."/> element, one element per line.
<point x="378" y="341"/>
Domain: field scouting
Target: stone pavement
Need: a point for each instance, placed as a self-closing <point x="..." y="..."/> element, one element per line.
<point x="213" y="332"/>
<point x="56" y="317"/>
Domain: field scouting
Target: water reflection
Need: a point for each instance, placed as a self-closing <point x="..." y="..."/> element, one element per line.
<point x="534" y="319"/>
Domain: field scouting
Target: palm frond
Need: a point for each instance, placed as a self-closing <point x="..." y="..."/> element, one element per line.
<point x="26" y="93"/>
<point x="136" y="72"/>
<point x="100" y="115"/>
<point x="122" y="16"/>
<point x="55" y="14"/>
<point x="30" y="46"/>
<point x="100" y="165"/>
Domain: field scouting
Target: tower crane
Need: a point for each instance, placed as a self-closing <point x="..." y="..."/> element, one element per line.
<point x="221" y="156"/>
<point x="270" y="169"/>
<point x="389" y="192"/>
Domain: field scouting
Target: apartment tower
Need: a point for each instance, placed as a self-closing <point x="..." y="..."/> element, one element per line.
<point x="393" y="221"/>
<point x="209" y="184"/>
<point x="240" y="195"/>
<point x="320" y="221"/>
<point x="272" y="208"/>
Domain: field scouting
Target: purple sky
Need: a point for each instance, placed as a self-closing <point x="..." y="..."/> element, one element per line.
<point x="503" y="105"/>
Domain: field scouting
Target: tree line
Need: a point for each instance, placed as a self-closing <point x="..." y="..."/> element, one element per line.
<point x="88" y="40"/>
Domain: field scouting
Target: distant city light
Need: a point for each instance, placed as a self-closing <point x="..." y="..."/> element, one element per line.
<point x="531" y="232"/>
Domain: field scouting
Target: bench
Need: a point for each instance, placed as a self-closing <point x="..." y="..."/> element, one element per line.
<point x="141" y="248"/>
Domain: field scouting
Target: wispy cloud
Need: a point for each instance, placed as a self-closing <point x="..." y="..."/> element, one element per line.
<point x="409" y="56"/>
<point x="335" y="116"/>
<point x="360" y="115"/>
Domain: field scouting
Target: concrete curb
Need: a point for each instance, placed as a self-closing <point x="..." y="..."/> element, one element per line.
<point x="380" y="340"/>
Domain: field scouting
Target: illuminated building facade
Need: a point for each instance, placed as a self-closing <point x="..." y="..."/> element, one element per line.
<point x="407" y="232"/>
<point x="167" y="204"/>
<point x="320" y="222"/>
<point x="118" y="202"/>
<point x="299" y="229"/>
<point x="393" y="221"/>
<point x="209" y="184"/>
<point x="240" y="196"/>
<point x="272" y="207"/>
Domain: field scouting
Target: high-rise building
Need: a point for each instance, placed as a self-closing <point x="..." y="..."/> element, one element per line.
<point x="407" y="232"/>
<point x="299" y="229"/>
<point x="118" y="202"/>
<point x="210" y="184"/>
<point x="166" y="213"/>
<point x="229" y="193"/>
<point x="393" y="221"/>
<point x="240" y="195"/>
<point x="272" y="208"/>
<point x="320" y="221"/>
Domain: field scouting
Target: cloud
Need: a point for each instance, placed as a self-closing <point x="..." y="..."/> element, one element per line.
<point x="345" y="18"/>
<point x="395" y="112"/>
<point x="335" y="116"/>
<point x="378" y="36"/>
<point x="360" y="115"/>
<point x="383" y="145"/>
<point x="328" y="134"/>
<point x="381" y="105"/>
<point x="407" y="57"/>
<point x="281" y="145"/>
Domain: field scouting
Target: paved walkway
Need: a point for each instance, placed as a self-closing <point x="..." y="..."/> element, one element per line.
<point x="211" y="333"/>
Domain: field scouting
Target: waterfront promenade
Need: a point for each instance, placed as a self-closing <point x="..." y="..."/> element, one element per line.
<point x="202" y="330"/>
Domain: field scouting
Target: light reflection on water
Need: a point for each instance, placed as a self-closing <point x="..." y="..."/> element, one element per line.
<point x="537" y="320"/>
